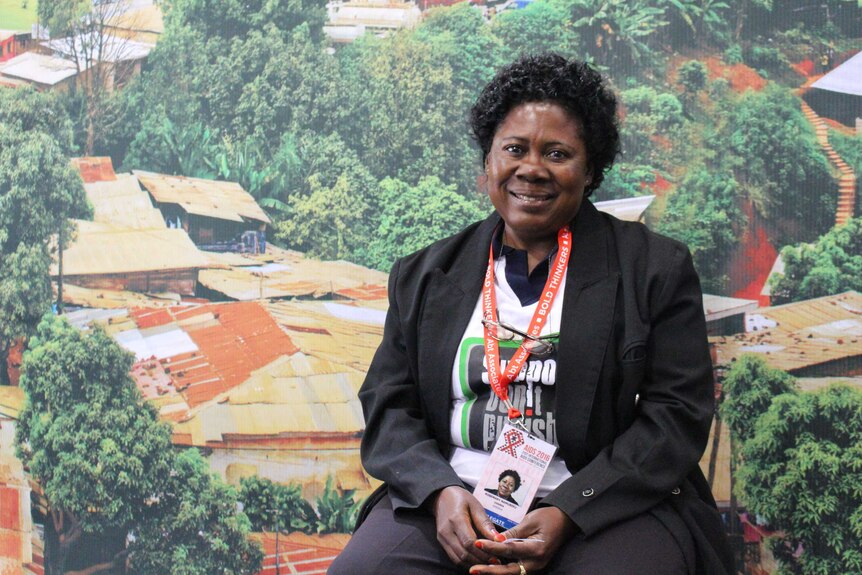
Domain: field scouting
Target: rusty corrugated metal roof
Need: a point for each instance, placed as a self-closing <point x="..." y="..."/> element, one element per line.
<point x="294" y="275"/>
<point x="210" y="198"/>
<point x="802" y="335"/>
<point x="121" y="202"/>
<point x="316" y="331"/>
<point x="104" y="249"/>
<point x="108" y="299"/>
<point x="298" y="553"/>
<point x="95" y="169"/>
<point x="232" y="339"/>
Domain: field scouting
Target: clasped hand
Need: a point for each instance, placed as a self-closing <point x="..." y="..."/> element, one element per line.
<point x="470" y="540"/>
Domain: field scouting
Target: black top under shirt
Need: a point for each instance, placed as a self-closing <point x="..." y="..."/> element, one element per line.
<point x="527" y="286"/>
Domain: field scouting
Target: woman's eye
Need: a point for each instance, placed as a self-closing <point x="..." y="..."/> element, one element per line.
<point x="557" y="155"/>
<point x="514" y="149"/>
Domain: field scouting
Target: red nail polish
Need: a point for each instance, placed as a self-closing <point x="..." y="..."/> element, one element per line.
<point x="479" y="544"/>
<point x="494" y="561"/>
<point x="499" y="537"/>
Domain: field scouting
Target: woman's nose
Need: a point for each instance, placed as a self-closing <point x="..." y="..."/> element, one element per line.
<point x="531" y="167"/>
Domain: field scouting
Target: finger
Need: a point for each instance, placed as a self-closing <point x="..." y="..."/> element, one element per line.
<point x="483" y="523"/>
<point x="459" y="542"/>
<point x="511" y="568"/>
<point x="526" y="548"/>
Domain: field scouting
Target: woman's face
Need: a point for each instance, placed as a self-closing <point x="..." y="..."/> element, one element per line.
<point x="506" y="486"/>
<point x="536" y="172"/>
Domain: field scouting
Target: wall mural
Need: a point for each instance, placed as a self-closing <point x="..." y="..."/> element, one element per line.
<point x="200" y="201"/>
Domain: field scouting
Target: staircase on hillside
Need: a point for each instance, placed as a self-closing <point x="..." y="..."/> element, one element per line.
<point x="847" y="179"/>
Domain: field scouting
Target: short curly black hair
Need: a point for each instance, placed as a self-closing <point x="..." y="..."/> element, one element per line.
<point x="549" y="77"/>
<point x="514" y="475"/>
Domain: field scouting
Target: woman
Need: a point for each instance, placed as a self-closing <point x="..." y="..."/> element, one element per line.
<point x="507" y="483"/>
<point x="622" y="383"/>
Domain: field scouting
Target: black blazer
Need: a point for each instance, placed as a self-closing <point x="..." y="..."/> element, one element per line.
<point x="634" y="377"/>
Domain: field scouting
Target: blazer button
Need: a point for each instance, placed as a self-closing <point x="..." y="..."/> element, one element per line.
<point x="588" y="492"/>
<point x="675" y="491"/>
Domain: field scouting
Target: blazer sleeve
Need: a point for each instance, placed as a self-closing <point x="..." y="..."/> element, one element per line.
<point x="648" y="461"/>
<point x="398" y="446"/>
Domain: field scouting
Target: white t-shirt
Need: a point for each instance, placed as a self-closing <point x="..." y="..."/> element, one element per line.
<point x="477" y="416"/>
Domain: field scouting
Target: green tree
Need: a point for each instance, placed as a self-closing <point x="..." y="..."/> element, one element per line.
<point x="226" y="19"/>
<point x="619" y="33"/>
<point x="705" y="19"/>
<point x="692" y="77"/>
<point x="801" y="473"/>
<point x="461" y="38"/>
<point x="39" y="192"/>
<point x="81" y="31"/>
<point x="539" y="27"/>
<point x="412" y="217"/>
<point x="270" y="506"/>
<point x="105" y="464"/>
<point x="194" y="527"/>
<point x="649" y="117"/>
<point x="750" y="387"/>
<point x="704" y="215"/>
<point x="96" y="448"/>
<point x="399" y="111"/>
<point x="328" y="222"/>
<point x="779" y="164"/>
<point x="336" y="512"/>
<point x="833" y="264"/>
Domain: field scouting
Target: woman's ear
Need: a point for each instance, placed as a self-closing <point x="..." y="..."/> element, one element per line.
<point x="482" y="183"/>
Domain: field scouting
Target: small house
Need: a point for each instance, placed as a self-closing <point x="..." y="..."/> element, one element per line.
<point x="215" y="214"/>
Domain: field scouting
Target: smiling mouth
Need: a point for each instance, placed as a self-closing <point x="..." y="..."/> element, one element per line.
<point x="532" y="198"/>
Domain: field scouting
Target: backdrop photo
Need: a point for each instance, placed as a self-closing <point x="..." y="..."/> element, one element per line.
<point x="200" y="202"/>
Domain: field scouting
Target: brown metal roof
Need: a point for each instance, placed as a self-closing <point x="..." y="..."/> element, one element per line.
<point x="104" y="249"/>
<point x="316" y="331"/>
<point x="823" y="333"/>
<point x="108" y="299"/>
<point x="291" y="274"/>
<point x="210" y="198"/>
<point x="122" y="202"/>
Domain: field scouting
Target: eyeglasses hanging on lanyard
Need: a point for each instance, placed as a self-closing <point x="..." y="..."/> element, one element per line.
<point x="496" y="331"/>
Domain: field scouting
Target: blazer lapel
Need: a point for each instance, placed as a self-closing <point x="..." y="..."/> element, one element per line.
<point x="451" y="297"/>
<point x="588" y="312"/>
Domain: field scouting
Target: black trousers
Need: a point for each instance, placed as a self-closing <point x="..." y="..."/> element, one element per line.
<point x="405" y="543"/>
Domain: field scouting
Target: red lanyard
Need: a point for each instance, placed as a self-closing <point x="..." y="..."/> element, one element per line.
<point x="500" y="381"/>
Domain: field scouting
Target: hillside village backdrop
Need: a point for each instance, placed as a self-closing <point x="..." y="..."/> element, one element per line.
<point x="200" y="199"/>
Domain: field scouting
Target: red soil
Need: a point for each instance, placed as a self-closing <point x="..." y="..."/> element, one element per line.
<point x="750" y="265"/>
<point x="740" y="76"/>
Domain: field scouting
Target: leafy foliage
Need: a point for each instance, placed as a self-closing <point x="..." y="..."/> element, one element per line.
<point x="540" y="26"/>
<point x="194" y="527"/>
<point x="328" y="223"/>
<point x="336" y="512"/>
<point x="623" y="30"/>
<point x="272" y="505"/>
<point x="749" y="388"/>
<point x="105" y="462"/>
<point x="86" y="434"/>
<point x="226" y="19"/>
<point x="402" y="229"/>
<point x="704" y="215"/>
<point x="831" y="265"/>
<point x="801" y="472"/>
<point x="39" y="192"/>
<point x="779" y="163"/>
